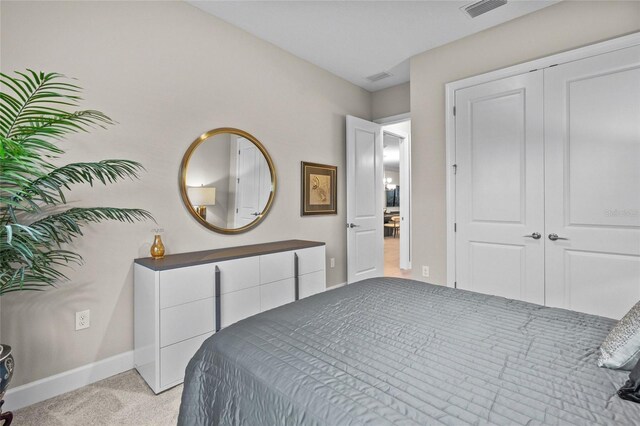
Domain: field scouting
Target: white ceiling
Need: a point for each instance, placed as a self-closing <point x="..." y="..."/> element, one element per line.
<point x="356" y="39"/>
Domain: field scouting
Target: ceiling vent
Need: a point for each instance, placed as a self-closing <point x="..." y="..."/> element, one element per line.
<point x="379" y="76"/>
<point x="480" y="7"/>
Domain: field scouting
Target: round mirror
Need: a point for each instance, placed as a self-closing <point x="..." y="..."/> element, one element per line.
<point x="227" y="180"/>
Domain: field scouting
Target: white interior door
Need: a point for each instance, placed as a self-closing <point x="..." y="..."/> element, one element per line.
<point x="592" y="142"/>
<point x="253" y="183"/>
<point x="500" y="188"/>
<point x="365" y="204"/>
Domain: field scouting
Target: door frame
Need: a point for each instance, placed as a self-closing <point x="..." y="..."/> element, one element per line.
<point x="395" y="119"/>
<point x="450" y="93"/>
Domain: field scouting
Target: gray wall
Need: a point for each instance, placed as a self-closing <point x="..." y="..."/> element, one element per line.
<point x="563" y="26"/>
<point x="166" y="72"/>
<point x="390" y="101"/>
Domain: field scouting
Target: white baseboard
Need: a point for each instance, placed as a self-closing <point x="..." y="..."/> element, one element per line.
<point x="58" y="384"/>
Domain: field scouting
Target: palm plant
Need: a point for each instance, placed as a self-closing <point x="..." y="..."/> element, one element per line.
<point x="36" y="110"/>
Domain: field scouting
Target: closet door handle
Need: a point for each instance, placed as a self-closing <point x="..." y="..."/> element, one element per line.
<point x="535" y="236"/>
<point x="554" y="237"/>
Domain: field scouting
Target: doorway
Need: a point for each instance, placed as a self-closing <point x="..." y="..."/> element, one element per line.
<point x="367" y="198"/>
<point x="397" y="198"/>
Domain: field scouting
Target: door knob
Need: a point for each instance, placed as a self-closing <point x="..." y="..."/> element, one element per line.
<point x="535" y="236"/>
<point x="352" y="225"/>
<point x="554" y="237"/>
<point x="255" y="214"/>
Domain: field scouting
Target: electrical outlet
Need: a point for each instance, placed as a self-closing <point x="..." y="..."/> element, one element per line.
<point x="425" y="271"/>
<point x="332" y="262"/>
<point x="83" y="319"/>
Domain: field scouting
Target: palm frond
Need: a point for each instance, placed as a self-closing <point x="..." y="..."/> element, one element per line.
<point x="26" y="261"/>
<point x="53" y="124"/>
<point x="34" y="94"/>
<point x="63" y="228"/>
<point x="36" y="110"/>
<point x="49" y="187"/>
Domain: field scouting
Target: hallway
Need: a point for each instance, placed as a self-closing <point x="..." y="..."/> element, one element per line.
<point x="392" y="259"/>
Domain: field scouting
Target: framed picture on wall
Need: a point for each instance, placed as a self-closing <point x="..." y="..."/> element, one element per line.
<point x="319" y="187"/>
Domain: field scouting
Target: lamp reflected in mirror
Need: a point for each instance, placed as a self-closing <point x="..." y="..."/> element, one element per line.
<point x="201" y="197"/>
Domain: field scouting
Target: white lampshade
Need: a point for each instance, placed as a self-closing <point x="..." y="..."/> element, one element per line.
<point x="202" y="195"/>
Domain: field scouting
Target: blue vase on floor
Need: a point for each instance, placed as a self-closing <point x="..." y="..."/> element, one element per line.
<point x="6" y="367"/>
<point x="6" y="373"/>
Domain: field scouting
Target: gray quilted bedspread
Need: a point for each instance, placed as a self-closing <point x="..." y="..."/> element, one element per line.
<point x="394" y="351"/>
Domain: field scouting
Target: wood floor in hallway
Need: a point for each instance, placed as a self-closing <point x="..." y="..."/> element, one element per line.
<point x="392" y="259"/>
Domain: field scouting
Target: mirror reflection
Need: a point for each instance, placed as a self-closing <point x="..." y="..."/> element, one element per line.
<point x="227" y="180"/>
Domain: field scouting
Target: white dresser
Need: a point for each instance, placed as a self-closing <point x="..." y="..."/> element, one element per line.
<point x="183" y="299"/>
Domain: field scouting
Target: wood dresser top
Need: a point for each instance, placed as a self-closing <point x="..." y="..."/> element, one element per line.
<point x="182" y="260"/>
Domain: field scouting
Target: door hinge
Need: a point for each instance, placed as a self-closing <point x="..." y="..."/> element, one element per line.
<point x="454" y="111"/>
<point x="236" y="210"/>
<point x="455" y="284"/>
<point x="238" y="180"/>
<point x="455" y="227"/>
<point x="455" y="169"/>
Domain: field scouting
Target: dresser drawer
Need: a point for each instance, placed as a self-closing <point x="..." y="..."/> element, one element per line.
<point x="276" y="267"/>
<point x="239" y="305"/>
<point x="239" y="274"/>
<point x="276" y="294"/>
<point x="182" y="285"/>
<point x="174" y="359"/>
<point x="310" y="260"/>
<point x="184" y="321"/>
<point x="312" y="283"/>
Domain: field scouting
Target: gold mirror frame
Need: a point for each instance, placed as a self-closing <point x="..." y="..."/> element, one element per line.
<point x="183" y="179"/>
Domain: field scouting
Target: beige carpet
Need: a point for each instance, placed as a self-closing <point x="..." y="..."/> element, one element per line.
<point x="124" y="399"/>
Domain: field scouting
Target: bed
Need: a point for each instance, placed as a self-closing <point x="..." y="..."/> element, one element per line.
<point x="397" y="351"/>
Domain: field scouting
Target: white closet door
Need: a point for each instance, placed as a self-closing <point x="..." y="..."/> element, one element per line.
<point x="500" y="188"/>
<point x="592" y="143"/>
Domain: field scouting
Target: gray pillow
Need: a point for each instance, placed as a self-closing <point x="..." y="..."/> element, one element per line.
<point x="621" y="348"/>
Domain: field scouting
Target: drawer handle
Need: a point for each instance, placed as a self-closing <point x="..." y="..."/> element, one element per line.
<point x="296" y="278"/>
<point x="217" y="298"/>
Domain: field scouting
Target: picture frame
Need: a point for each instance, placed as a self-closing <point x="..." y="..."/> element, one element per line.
<point x="319" y="189"/>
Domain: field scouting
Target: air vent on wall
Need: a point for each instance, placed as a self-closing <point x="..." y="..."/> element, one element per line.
<point x="379" y="76"/>
<point x="478" y="8"/>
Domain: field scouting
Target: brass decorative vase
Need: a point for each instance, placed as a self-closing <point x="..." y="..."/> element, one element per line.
<point x="157" y="248"/>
